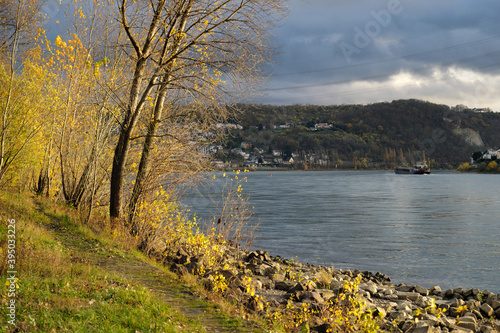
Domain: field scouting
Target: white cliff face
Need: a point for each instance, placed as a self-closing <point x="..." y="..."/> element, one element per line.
<point x="470" y="136"/>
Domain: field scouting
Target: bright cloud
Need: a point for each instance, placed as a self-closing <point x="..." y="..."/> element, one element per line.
<point x="446" y="52"/>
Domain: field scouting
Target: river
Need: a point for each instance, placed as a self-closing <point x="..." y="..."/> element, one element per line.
<point x="439" y="229"/>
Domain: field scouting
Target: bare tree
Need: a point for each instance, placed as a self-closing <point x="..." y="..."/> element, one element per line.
<point x="86" y="120"/>
<point x="19" y="20"/>
<point x="191" y="53"/>
<point x="86" y="71"/>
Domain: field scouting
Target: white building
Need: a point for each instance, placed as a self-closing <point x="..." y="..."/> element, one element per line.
<point x="491" y="154"/>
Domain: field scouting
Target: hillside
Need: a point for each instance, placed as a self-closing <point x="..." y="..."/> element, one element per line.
<point x="379" y="135"/>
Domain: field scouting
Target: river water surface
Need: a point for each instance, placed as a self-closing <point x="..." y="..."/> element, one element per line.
<point x="439" y="229"/>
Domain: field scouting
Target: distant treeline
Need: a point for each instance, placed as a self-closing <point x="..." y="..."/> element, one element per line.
<point x="380" y="135"/>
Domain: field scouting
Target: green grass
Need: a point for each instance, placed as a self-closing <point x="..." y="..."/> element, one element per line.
<point x="59" y="290"/>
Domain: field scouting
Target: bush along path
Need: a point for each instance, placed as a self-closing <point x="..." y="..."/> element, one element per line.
<point x="72" y="280"/>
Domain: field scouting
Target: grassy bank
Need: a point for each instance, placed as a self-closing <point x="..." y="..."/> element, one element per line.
<point x="70" y="278"/>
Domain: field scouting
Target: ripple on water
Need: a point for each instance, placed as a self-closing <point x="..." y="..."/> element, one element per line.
<point x="439" y="229"/>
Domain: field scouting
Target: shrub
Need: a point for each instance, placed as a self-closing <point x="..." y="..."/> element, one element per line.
<point x="464" y="167"/>
<point x="346" y="313"/>
<point x="482" y="166"/>
<point x="163" y="227"/>
<point x="492" y="166"/>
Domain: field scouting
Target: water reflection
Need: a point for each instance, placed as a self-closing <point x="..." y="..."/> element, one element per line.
<point x="438" y="229"/>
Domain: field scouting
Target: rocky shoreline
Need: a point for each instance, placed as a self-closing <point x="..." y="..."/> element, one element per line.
<point x="268" y="285"/>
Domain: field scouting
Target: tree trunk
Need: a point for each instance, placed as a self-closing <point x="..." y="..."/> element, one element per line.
<point x="82" y="186"/>
<point x="5" y="113"/>
<point x="43" y="182"/>
<point x="122" y="147"/>
<point x="144" y="165"/>
<point x="116" y="189"/>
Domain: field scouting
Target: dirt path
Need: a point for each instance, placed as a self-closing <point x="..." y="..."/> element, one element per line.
<point x="166" y="286"/>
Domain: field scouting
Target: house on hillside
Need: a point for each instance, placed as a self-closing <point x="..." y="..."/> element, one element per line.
<point x="480" y="110"/>
<point x="322" y="126"/>
<point x="252" y="160"/>
<point x="491" y="154"/>
<point x="487" y="155"/>
<point x="278" y="160"/>
<point x="246" y="145"/>
<point x="288" y="160"/>
<point x="209" y="150"/>
<point x="228" y="126"/>
<point x="218" y="164"/>
<point x="240" y="152"/>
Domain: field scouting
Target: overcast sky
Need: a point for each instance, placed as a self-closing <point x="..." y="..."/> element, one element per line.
<point x="348" y="51"/>
<point x="345" y="51"/>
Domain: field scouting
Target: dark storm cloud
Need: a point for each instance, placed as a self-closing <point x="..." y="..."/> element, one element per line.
<point x="346" y="51"/>
<point x="326" y="42"/>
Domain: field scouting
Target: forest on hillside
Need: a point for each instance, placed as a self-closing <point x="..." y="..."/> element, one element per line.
<point x="379" y="135"/>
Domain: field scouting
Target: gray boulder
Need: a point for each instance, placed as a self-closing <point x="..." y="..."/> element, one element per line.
<point x="421" y="290"/>
<point x="468" y="322"/>
<point x="370" y="287"/>
<point x="495" y="304"/>
<point x="284" y="285"/>
<point x="423" y="328"/>
<point x="487" y="310"/>
<point x="408" y="295"/>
